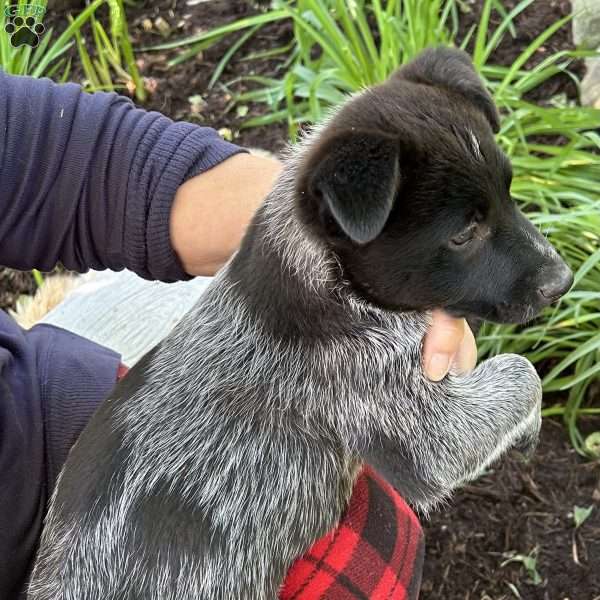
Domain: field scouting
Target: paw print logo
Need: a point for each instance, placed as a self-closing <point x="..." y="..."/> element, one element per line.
<point x="24" y="32"/>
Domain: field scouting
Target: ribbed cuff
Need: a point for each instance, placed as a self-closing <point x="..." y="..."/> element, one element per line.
<point x="76" y="375"/>
<point x="182" y="150"/>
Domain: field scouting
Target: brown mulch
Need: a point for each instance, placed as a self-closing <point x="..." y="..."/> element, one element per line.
<point x="522" y="510"/>
<point x="176" y="85"/>
<point x="14" y="284"/>
<point x="519" y="510"/>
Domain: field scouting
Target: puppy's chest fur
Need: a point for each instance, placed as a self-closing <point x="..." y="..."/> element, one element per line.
<point x="236" y="439"/>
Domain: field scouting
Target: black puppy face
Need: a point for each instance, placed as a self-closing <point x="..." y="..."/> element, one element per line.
<point x="409" y="187"/>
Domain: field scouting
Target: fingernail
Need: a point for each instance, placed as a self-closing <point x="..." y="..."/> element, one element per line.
<point x="438" y="366"/>
<point x="457" y="369"/>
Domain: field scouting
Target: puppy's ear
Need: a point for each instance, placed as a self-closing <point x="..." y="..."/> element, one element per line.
<point x="354" y="176"/>
<point x="452" y="69"/>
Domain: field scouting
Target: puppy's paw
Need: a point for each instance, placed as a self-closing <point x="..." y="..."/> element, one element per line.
<point x="496" y="408"/>
<point x="528" y="441"/>
<point x="457" y="429"/>
<point x="514" y="394"/>
<point x="512" y="385"/>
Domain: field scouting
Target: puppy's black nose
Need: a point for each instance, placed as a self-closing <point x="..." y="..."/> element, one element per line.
<point x="556" y="282"/>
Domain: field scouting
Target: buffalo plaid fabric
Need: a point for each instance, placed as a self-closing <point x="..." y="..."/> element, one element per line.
<point x="122" y="371"/>
<point x="375" y="553"/>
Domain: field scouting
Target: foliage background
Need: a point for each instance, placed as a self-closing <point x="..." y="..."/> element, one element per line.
<point x="340" y="47"/>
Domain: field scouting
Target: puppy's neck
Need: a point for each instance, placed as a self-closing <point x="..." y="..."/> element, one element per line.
<point x="303" y="256"/>
<point x="305" y="259"/>
<point x="287" y="274"/>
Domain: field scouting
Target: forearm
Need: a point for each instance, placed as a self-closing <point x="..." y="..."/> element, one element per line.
<point x="89" y="180"/>
<point x="211" y="211"/>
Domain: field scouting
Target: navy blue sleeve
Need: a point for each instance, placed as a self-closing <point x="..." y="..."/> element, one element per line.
<point x="88" y="179"/>
<point x="51" y="381"/>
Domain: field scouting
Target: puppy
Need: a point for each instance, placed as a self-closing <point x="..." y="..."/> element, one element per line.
<point x="234" y="444"/>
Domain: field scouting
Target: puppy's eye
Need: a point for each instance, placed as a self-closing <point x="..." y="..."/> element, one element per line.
<point x="464" y="237"/>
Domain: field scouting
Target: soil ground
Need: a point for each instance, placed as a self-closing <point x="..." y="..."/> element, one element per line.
<point x="524" y="510"/>
<point x="519" y="510"/>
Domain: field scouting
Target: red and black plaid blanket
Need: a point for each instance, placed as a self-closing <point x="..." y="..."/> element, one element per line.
<point x="376" y="552"/>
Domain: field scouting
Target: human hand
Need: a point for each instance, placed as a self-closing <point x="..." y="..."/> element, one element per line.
<point x="449" y="345"/>
<point x="211" y="211"/>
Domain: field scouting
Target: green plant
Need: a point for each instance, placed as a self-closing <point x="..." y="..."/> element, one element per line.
<point x="200" y="41"/>
<point x="112" y="65"/>
<point x="49" y="59"/>
<point x="45" y="60"/>
<point x="555" y="155"/>
<point x="581" y="515"/>
<point x="529" y="562"/>
<point x="340" y="47"/>
<point x="38" y="277"/>
<point x="359" y="43"/>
